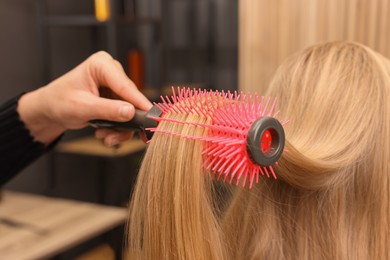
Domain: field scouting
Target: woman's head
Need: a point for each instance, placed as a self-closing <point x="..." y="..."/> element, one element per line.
<point x="336" y="96"/>
<point x="331" y="200"/>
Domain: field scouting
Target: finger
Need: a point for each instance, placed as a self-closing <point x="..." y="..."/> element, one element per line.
<point x="101" y="133"/>
<point x="112" y="137"/>
<point x="117" y="138"/>
<point x="107" y="109"/>
<point x="119" y="66"/>
<point x="105" y="71"/>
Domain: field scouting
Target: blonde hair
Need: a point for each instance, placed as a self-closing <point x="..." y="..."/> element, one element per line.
<point x="171" y="211"/>
<point x="332" y="198"/>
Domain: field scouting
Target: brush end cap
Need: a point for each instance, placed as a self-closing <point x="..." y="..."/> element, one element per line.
<point x="265" y="141"/>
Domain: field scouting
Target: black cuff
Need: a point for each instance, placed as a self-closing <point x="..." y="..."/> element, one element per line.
<point x="17" y="147"/>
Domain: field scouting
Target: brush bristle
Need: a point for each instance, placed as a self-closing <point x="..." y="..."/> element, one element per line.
<point x="230" y="116"/>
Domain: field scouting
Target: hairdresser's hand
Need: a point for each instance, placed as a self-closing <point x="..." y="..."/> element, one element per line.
<point x="70" y="101"/>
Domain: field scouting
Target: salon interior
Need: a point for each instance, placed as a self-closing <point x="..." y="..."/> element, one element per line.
<point x="72" y="202"/>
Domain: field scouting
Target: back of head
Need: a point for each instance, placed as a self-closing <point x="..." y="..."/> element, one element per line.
<point x="333" y="194"/>
<point x="331" y="199"/>
<point x="336" y="96"/>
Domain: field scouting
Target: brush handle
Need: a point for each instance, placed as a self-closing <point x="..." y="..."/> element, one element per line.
<point x="139" y="122"/>
<point x="135" y="124"/>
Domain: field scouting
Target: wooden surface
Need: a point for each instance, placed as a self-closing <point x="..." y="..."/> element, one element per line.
<point x="95" y="147"/>
<point x="102" y="252"/>
<point x="37" y="227"/>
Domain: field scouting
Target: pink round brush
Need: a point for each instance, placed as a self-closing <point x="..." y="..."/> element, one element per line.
<point x="244" y="139"/>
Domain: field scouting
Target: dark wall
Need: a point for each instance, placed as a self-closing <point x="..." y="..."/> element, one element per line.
<point x="20" y="60"/>
<point x="18" y="47"/>
<point x="19" y="71"/>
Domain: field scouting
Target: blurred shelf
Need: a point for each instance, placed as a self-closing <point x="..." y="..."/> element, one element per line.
<point x="101" y="252"/>
<point x="95" y="147"/>
<point x="137" y="20"/>
<point x="116" y="35"/>
<point x="80" y="20"/>
<point x="90" y="20"/>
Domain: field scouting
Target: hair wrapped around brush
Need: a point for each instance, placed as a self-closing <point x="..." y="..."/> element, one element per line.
<point x="243" y="137"/>
<point x="331" y="196"/>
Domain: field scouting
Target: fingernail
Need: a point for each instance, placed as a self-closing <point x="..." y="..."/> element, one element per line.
<point x="125" y="111"/>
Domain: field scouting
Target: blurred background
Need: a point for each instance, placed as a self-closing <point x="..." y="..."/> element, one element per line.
<point x="160" y="43"/>
<point x="213" y="44"/>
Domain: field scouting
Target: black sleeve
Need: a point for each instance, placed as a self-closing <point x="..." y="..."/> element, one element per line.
<point x="17" y="147"/>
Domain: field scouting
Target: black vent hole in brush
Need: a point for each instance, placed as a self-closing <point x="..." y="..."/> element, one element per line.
<point x="265" y="142"/>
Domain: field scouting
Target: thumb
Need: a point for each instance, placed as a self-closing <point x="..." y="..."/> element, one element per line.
<point x="109" y="109"/>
